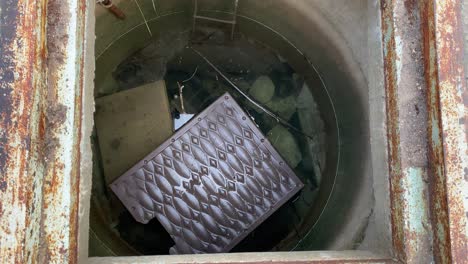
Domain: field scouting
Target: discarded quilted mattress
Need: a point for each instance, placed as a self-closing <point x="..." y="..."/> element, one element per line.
<point x="211" y="183"/>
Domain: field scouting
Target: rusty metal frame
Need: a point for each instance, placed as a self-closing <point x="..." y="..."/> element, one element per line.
<point x="423" y="49"/>
<point x="447" y="99"/>
<point x="406" y="130"/>
<point x="42" y="73"/>
<point x="46" y="116"/>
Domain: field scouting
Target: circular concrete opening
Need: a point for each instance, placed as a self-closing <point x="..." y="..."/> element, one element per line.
<point x="316" y="88"/>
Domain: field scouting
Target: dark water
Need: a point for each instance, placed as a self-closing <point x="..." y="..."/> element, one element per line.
<point x="279" y="89"/>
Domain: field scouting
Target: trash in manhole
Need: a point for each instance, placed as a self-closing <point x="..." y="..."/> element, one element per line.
<point x="211" y="183"/>
<point x="130" y="124"/>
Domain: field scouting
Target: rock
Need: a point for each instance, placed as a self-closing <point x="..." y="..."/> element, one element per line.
<point x="284" y="107"/>
<point x="262" y="89"/>
<point x="285" y="144"/>
<point x="312" y="124"/>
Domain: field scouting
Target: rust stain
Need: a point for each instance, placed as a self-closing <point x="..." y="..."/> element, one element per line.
<point x="19" y="70"/>
<point x="50" y="120"/>
<point x="42" y="125"/>
<point x="411" y="6"/>
<point x="56" y="115"/>
<point x="450" y="86"/>
<point x="438" y="201"/>
<point x="31" y="119"/>
<point x="444" y="73"/>
<point x="411" y="226"/>
<point x="76" y="177"/>
<point x="390" y="57"/>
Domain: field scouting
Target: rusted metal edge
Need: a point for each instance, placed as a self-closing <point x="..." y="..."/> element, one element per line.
<point x="444" y="68"/>
<point x="438" y="198"/>
<point x="406" y="130"/>
<point x="453" y="114"/>
<point x="63" y="110"/>
<point x="22" y="49"/>
<point x="87" y="119"/>
<point x="389" y="47"/>
<point x="40" y="98"/>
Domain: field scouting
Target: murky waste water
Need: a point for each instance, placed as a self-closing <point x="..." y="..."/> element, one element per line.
<point x="267" y="78"/>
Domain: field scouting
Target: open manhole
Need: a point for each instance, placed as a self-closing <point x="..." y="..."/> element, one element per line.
<point x="326" y="153"/>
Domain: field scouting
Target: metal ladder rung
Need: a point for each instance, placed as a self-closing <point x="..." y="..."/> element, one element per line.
<point x="216" y="19"/>
<point x="232" y="22"/>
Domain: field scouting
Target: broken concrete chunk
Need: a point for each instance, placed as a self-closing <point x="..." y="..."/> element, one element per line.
<point x="130" y="124"/>
<point x="284" y="107"/>
<point x="262" y="89"/>
<point x="285" y="144"/>
<point x="312" y="124"/>
<point x="297" y="81"/>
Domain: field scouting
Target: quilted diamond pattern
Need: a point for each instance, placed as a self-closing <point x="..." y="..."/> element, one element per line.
<point x="211" y="183"/>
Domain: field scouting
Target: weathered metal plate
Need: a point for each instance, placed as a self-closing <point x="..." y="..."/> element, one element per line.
<point x="211" y="183"/>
